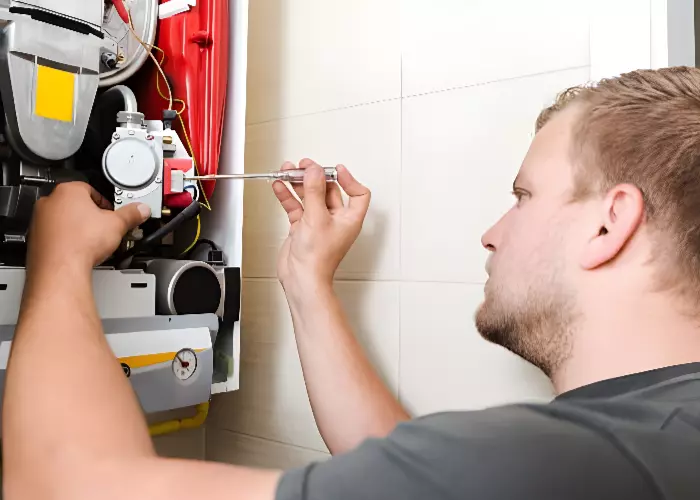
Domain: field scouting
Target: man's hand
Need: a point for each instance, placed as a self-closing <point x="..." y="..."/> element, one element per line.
<point x="75" y="224"/>
<point x="349" y="401"/>
<point x="322" y="230"/>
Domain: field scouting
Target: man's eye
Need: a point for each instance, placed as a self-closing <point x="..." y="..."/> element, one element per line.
<point x="519" y="195"/>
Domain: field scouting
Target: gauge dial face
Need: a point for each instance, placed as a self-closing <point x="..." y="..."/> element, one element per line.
<point x="185" y="364"/>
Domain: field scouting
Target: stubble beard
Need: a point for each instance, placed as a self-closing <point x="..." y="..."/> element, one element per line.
<point x="538" y="327"/>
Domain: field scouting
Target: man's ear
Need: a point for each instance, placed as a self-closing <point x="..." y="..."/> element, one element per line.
<point x="622" y="213"/>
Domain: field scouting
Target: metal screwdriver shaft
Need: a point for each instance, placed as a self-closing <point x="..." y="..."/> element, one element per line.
<point x="294" y="176"/>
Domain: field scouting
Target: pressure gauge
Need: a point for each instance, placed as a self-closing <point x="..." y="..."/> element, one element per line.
<point x="185" y="364"/>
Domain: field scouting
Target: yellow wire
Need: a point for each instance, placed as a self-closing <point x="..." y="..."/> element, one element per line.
<point x="170" y="100"/>
<point x="196" y="237"/>
<point x="194" y="162"/>
<point x="149" y="51"/>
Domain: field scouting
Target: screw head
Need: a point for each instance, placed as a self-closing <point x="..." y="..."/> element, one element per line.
<point x="118" y="191"/>
<point x="116" y="136"/>
<point x="130" y="195"/>
<point x="131" y="132"/>
<point x="118" y="201"/>
<point x="158" y="180"/>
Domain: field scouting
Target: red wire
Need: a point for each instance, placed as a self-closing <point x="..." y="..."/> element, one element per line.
<point x="121" y="10"/>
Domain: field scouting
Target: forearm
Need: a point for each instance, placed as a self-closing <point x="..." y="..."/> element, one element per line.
<point x="158" y="479"/>
<point x="66" y="397"/>
<point x="349" y="400"/>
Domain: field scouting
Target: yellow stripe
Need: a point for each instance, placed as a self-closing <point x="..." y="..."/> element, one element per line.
<point x="147" y="359"/>
<point x="150" y="359"/>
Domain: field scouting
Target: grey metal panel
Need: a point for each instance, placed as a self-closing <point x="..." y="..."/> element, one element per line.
<point x="89" y="11"/>
<point x="21" y="43"/>
<point x="113" y="291"/>
<point x="157" y="388"/>
<point x="122" y="325"/>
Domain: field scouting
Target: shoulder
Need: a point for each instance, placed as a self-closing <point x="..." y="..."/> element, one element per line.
<point x="505" y="425"/>
<point x="506" y="452"/>
<point x="519" y="439"/>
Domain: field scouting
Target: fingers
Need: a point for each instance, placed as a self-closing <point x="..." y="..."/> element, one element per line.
<point x="132" y="215"/>
<point x="298" y="188"/>
<point x="315" y="192"/>
<point x="100" y="200"/>
<point x="77" y="186"/>
<point x="290" y="204"/>
<point x="334" y="198"/>
<point x="359" y="194"/>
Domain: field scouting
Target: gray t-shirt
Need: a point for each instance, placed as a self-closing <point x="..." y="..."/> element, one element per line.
<point x="635" y="437"/>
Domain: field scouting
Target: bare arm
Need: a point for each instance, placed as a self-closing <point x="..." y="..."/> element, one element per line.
<point x="349" y="400"/>
<point x="72" y="426"/>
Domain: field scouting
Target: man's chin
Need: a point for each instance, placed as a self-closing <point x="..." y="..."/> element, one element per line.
<point x="484" y="320"/>
<point x="494" y="324"/>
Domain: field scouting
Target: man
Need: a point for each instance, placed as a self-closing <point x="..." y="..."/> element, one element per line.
<point x="594" y="277"/>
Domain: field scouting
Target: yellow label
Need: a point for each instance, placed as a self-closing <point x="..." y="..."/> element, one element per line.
<point x="55" y="91"/>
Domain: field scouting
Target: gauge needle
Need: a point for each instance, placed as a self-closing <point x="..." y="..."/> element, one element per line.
<point x="184" y="364"/>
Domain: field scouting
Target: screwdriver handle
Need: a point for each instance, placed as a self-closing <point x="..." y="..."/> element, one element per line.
<point x="296" y="176"/>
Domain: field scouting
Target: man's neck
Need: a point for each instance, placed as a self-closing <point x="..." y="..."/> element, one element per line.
<point x="625" y="338"/>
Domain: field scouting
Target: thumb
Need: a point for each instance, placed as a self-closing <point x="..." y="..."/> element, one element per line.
<point x="315" y="191"/>
<point x="132" y="215"/>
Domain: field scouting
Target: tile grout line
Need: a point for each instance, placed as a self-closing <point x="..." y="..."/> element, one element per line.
<point x="252" y="436"/>
<point x="324" y="111"/>
<point x="402" y="97"/>
<point x="400" y="183"/>
<point x="490" y="82"/>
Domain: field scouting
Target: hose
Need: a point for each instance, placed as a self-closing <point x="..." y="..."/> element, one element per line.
<point x="130" y="103"/>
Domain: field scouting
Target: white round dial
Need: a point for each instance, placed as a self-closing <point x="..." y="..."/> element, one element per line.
<point x="185" y="364"/>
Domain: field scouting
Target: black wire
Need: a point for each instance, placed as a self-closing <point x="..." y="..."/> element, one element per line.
<point x="190" y="212"/>
<point x="200" y="242"/>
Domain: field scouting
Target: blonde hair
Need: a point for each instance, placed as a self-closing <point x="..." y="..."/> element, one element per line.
<point x="643" y="128"/>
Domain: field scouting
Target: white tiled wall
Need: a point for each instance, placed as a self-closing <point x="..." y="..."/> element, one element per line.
<point x="188" y="444"/>
<point x="432" y="105"/>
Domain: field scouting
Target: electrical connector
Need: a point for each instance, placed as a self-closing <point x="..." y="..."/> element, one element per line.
<point x="215" y="258"/>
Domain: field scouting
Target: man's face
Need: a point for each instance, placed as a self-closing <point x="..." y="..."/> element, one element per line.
<point x="530" y="296"/>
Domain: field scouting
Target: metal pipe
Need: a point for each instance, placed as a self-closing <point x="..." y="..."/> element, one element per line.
<point x="130" y="103"/>
<point x="185" y="423"/>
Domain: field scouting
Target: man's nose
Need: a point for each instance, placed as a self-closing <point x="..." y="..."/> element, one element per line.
<point x="492" y="237"/>
<point x="488" y="239"/>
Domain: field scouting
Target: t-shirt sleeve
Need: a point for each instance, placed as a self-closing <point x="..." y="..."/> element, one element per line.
<point x="501" y="453"/>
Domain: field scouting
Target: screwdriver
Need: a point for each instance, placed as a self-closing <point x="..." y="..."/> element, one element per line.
<point x="294" y="176"/>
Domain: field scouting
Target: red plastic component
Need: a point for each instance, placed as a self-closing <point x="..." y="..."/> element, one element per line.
<point x="121" y="10"/>
<point x="196" y="46"/>
<point x="178" y="200"/>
